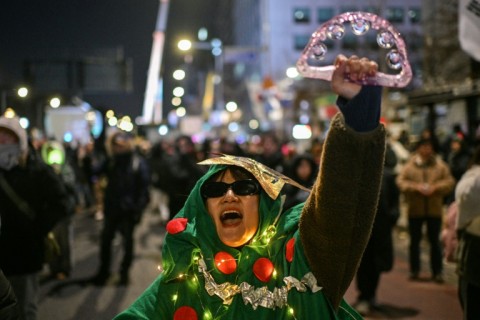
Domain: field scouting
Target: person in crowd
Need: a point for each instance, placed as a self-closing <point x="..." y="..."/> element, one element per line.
<point x="379" y="255"/>
<point x="230" y="146"/>
<point x="401" y="152"/>
<point x="159" y="168"/>
<point x="467" y="198"/>
<point x="182" y="174"/>
<point x="425" y="180"/>
<point x="232" y="252"/>
<point x="457" y="160"/>
<point x="61" y="263"/>
<point x="97" y="157"/>
<point x="430" y="135"/>
<point x="83" y="165"/>
<point x="216" y="146"/>
<point x="316" y="150"/>
<point x="33" y="200"/>
<point x="126" y="197"/>
<point x="404" y="139"/>
<point x="303" y="170"/>
<point x="271" y="152"/>
<point x="456" y="133"/>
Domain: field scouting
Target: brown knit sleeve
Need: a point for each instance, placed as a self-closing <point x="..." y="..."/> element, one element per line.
<point x="337" y="218"/>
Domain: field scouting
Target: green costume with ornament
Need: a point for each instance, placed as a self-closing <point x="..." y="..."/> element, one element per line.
<point x="299" y="263"/>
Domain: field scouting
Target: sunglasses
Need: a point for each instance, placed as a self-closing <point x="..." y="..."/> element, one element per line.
<point x="240" y="188"/>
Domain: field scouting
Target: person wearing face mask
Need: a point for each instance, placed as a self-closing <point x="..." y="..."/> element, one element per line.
<point x="33" y="199"/>
<point x="232" y="252"/>
<point x="126" y="195"/>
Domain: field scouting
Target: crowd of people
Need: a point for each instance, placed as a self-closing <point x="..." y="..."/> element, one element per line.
<point x="116" y="179"/>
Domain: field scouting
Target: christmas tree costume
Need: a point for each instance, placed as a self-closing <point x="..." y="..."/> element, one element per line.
<point x="299" y="263"/>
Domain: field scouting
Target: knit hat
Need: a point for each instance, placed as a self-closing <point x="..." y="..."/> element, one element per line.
<point x="13" y="124"/>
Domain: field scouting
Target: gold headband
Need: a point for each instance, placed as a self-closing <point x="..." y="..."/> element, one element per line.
<point x="271" y="181"/>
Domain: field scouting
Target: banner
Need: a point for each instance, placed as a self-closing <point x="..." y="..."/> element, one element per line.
<point x="469" y="27"/>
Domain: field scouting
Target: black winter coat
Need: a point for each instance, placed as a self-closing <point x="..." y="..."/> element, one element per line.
<point x="9" y="309"/>
<point x="22" y="239"/>
<point x="381" y="243"/>
<point x="127" y="190"/>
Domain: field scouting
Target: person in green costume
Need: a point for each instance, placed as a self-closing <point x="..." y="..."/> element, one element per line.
<point x="233" y="253"/>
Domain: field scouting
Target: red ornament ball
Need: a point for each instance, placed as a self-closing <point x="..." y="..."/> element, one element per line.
<point x="263" y="269"/>
<point x="225" y="262"/>
<point x="177" y="225"/>
<point x="185" y="313"/>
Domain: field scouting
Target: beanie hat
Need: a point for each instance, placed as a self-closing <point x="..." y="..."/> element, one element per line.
<point x="13" y="124"/>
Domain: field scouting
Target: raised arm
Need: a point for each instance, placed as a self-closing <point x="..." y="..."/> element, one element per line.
<point x="337" y="218"/>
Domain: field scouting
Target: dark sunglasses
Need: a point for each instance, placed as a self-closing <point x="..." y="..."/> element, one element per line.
<point x="240" y="188"/>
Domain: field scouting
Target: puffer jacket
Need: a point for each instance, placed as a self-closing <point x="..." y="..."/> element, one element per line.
<point x="434" y="172"/>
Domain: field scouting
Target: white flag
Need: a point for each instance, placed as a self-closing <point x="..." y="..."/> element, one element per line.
<point x="469" y="27"/>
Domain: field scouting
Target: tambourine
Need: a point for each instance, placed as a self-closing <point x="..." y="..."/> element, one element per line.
<point x="388" y="37"/>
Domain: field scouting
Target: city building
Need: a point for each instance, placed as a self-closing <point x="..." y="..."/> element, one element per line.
<point x="444" y="90"/>
<point x="280" y="30"/>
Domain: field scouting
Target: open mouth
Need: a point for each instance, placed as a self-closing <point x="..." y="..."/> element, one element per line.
<point x="231" y="218"/>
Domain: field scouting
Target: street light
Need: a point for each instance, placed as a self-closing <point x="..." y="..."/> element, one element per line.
<point x="176" y="101"/>
<point x="22" y="92"/>
<point x="178" y="92"/>
<point x="216" y="49"/>
<point x="179" y="74"/>
<point x="231" y="106"/>
<point x="184" y="45"/>
<point x="55" y="102"/>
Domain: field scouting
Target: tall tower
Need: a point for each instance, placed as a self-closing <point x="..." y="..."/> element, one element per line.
<point x="153" y="101"/>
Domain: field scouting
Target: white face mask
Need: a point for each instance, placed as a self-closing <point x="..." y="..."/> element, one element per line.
<point x="9" y="156"/>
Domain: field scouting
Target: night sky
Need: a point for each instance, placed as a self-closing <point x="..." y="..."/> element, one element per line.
<point x="52" y="28"/>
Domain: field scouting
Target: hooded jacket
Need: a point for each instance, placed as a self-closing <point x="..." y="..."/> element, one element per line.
<point x="300" y="262"/>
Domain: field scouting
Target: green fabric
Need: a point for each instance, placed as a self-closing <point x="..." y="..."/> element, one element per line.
<point x="181" y="283"/>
